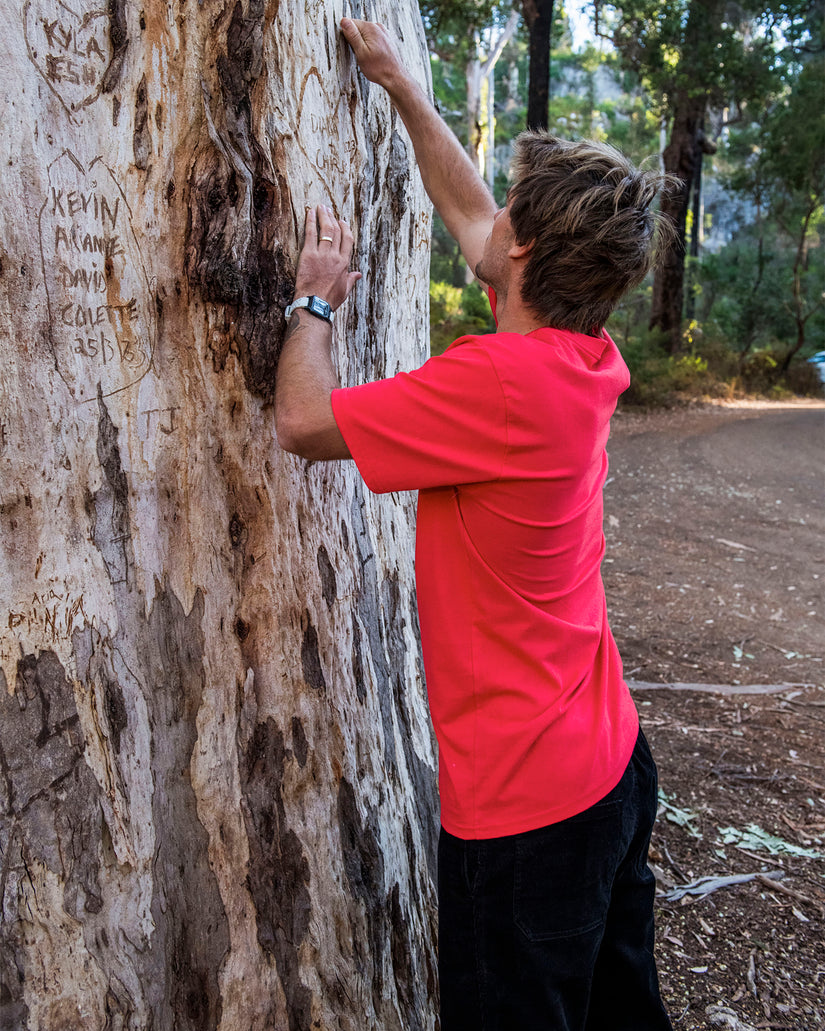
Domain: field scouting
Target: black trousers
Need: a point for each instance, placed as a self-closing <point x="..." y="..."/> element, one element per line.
<point x="552" y="930"/>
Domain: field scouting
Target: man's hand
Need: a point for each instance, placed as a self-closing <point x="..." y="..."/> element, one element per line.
<point x="304" y="419"/>
<point x="375" y="52"/>
<point x="323" y="267"/>
<point x="454" y="186"/>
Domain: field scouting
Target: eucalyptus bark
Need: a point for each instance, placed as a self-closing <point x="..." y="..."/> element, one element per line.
<point x="217" y="795"/>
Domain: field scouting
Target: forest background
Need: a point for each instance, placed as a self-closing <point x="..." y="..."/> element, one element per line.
<point x="730" y="100"/>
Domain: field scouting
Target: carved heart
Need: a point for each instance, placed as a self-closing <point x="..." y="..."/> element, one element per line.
<point x="102" y="318"/>
<point x="317" y="132"/>
<point x="70" y="49"/>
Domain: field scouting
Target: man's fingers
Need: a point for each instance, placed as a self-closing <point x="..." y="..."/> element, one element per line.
<point x="365" y="37"/>
<point x="328" y="228"/>
<point x="352" y="32"/>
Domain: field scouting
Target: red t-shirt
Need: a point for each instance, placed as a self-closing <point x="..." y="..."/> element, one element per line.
<point x="504" y="437"/>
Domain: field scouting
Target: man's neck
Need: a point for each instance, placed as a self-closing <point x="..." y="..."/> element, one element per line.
<point x="515" y="317"/>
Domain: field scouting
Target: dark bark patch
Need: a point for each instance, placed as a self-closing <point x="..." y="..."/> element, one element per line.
<point x="311" y="660"/>
<point x="358" y="662"/>
<point x="422" y="775"/>
<point x="239" y="213"/>
<point x="51" y="811"/>
<point x="238" y="533"/>
<point x="242" y="62"/>
<point x="194" y="1002"/>
<point x="40" y="734"/>
<point x="236" y="259"/>
<point x="403" y="964"/>
<point x="368" y="608"/>
<point x="329" y="586"/>
<point x="278" y="878"/>
<point x="364" y="868"/>
<point x="300" y="748"/>
<point x="191" y="926"/>
<point x="398" y="174"/>
<point x="142" y="137"/>
<point x="116" y="715"/>
<point x="377" y="260"/>
<point x="119" y="38"/>
<point x="109" y="506"/>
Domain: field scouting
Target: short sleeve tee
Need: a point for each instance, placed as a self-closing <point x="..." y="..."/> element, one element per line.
<point x="504" y="438"/>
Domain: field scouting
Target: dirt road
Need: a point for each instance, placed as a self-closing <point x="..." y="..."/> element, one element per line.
<point x="715" y="526"/>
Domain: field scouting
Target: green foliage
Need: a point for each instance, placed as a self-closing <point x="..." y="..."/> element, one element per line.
<point x="451" y="25"/>
<point x="450" y="89"/>
<point x="446" y="262"/>
<point x="693" y="48"/>
<point x="774" y="268"/>
<point x="709" y="368"/>
<point x="456" y="312"/>
<point x="746" y="291"/>
<point x="757" y="303"/>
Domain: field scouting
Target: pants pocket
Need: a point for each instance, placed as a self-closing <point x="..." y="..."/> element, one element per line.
<point x="564" y="874"/>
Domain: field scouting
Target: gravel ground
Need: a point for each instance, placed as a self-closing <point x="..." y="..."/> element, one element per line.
<point x="714" y="572"/>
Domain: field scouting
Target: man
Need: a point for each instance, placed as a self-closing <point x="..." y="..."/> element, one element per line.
<point x="548" y="790"/>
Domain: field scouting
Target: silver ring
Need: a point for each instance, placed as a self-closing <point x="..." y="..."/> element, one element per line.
<point x="327" y="238"/>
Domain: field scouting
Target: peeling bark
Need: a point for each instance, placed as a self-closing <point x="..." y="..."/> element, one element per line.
<point x="217" y="794"/>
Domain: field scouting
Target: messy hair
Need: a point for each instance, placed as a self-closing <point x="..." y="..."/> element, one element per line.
<point x="587" y="211"/>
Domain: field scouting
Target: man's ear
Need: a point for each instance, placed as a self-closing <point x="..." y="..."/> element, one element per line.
<point x="520" y="250"/>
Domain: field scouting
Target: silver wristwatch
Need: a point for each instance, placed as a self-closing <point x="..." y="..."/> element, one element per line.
<point x="314" y="305"/>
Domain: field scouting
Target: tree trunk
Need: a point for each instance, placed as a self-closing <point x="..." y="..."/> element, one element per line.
<point x="538" y="14"/>
<point x="680" y="159"/>
<point x="669" y="278"/>
<point x="703" y="146"/>
<point x="488" y="78"/>
<point x="798" y="308"/>
<point x="479" y="76"/>
<point x="475" y="113"/>
<point x="217" y="796"/>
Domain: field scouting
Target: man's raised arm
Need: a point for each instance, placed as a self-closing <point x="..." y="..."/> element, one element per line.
<point x="458" y="193"/>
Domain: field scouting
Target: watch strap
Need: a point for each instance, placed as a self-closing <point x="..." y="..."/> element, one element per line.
<point x="316" y="306"/>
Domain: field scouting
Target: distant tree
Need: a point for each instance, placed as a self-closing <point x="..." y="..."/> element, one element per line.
<point x="785" y="178"/>
<point x="538" y="16"/>
<point x="692" y="56"/>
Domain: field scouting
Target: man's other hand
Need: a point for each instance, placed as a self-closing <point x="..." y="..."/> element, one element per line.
<point x="323" y="267"/>
<point x="374" y="51"/>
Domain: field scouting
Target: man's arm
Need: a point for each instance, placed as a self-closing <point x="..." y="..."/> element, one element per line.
<point x="306" y="377"/>
<point x="454" y="186"/>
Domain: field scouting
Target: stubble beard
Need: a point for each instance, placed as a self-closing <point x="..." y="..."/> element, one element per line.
<point x="488" y="273"/>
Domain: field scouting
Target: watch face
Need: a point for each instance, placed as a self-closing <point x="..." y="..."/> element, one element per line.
<point x="320" y="307"/>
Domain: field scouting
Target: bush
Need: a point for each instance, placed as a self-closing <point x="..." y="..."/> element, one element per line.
<point x="661" y="380"/>
<point x="803" y="378"/>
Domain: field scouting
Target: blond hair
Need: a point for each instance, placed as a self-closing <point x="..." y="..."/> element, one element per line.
<point x="586" y="209"/>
